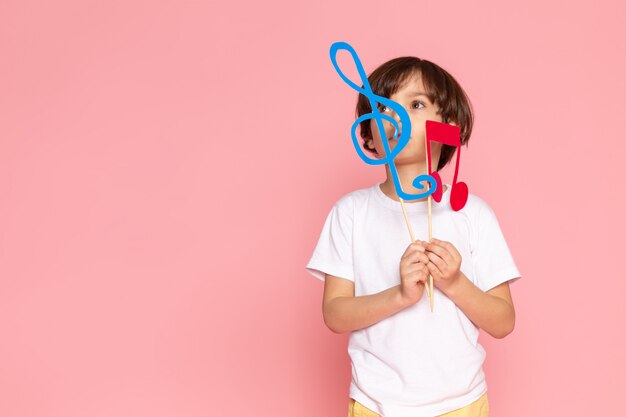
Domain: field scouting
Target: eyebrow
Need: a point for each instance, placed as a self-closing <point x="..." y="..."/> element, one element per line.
<point x="414" y="94"/>
<point x="417" y="93"/>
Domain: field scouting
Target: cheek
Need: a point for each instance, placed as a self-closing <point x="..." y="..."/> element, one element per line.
<point x="436" y="155"/>
<point x="374" y="130"/>
<point x="388" y="129"/>
<point x="435" y="148"/>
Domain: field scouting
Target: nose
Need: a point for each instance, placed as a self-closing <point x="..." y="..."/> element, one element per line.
<point x="396" y="117"/>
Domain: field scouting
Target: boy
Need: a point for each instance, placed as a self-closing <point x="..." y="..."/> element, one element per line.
<point x="406" y="360"/>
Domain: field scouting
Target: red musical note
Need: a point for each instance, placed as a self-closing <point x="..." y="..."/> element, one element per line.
<point x="448" y="135"/>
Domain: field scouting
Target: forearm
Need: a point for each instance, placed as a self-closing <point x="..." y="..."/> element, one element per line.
<point x="346" y="314"/>
<point x="492" y="314"/>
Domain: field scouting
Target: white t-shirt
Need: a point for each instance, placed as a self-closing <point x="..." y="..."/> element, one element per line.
<point x="415" y="363"/>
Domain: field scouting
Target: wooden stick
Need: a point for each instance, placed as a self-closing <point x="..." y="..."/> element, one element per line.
<point x="406" y="218"/>
<point x="408" y="224"/>
<point x="430" y="222"/>
<point x="430" y="236"/>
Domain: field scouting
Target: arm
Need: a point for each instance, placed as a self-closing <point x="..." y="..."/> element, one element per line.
<point x="492" y="311"/>
<point x="343" y="312"/>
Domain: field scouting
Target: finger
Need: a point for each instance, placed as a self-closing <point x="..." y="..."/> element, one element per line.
<point x="418" y="245"/>
<point x="415" y="246"/>
<point x="416" y="258"/>
<point x="433" y="270"/>
<point x="421" y="257"/>
<point x="416" y="268"/>
<point x="438" y="247"/>
<point x="421" y="274"/>
<point x="412" y="248"/>
<point x="437" y="261"/>
<point x="449" y="247"/>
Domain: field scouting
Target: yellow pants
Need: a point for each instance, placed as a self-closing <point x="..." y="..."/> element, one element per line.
<point x="479" y="408"/>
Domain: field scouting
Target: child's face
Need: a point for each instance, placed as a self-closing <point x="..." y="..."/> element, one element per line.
<point x="419" y="109"/>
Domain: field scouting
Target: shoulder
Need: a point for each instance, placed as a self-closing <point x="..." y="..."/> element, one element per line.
<point x="478" y="210"/>
<point x="356" y="198"/>
<point x="476" y="204"/>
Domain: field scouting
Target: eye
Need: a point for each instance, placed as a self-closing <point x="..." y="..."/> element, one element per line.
<point x="418" y="103"/>
<point x="382" y="108"/>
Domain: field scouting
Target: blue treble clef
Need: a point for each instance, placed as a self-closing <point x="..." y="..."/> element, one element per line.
<point x="375" y="114"/>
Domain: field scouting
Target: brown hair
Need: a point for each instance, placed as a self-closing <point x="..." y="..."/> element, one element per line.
<point x="441" y="88"/>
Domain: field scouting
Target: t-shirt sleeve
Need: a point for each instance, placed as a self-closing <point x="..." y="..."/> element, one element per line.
<point x="333" y="253"/>
<point x="491" y="257"/>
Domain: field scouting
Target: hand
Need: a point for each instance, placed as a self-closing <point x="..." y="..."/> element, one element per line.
<point x="413" y="272"/>
<point x="444" y="263"/>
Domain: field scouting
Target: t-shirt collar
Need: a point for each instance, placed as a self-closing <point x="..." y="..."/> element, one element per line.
<point x="420" y="206"/>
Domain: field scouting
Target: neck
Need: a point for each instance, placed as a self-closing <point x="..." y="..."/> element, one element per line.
<point x="406" y="174"/>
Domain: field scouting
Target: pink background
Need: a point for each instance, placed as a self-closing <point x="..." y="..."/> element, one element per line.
<point x="166" y="168"/>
